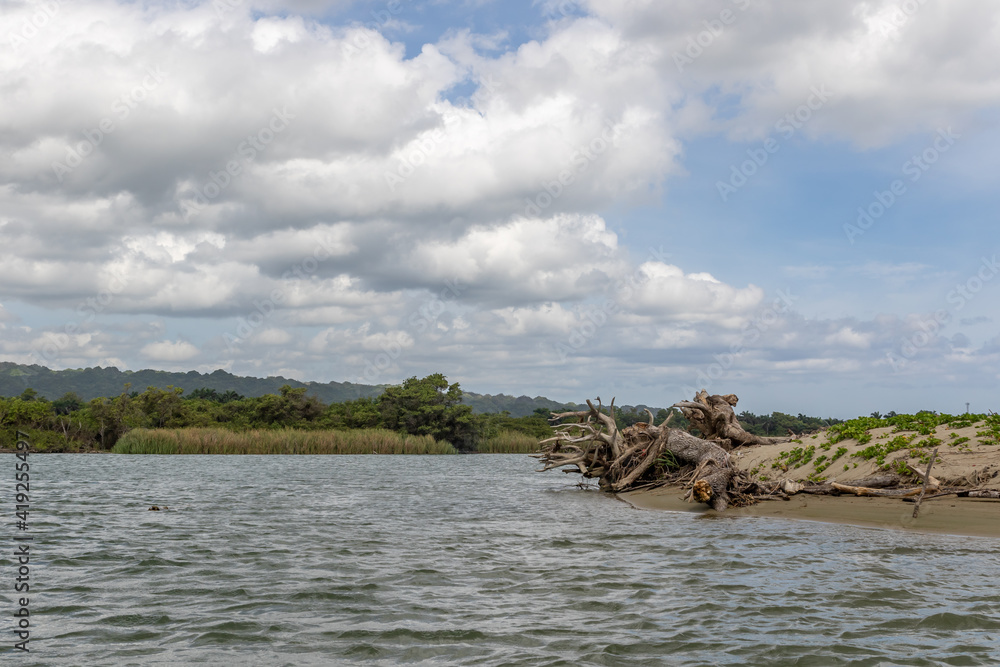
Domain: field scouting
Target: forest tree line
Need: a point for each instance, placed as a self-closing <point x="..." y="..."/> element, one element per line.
<point x="426" y="406"/>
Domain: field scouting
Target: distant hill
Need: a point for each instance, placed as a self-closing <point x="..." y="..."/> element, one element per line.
<point x="95" y="382"/>
<point x="519" y="406"/>
<point x="91" y="383"/>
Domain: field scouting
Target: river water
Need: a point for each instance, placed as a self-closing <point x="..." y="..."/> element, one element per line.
<point x="463" y="560"/>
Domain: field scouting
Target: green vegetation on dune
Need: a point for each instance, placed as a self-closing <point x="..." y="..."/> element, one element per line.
<point x="914" y="434"/>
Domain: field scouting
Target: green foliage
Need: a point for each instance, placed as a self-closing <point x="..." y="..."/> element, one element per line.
<point x="26" y="412"/>
<point x="503" y="434"/>
<point x="668" y="461"/>
<point x="90" y="383"/>
<point x="68" y="404"/>
<point x="966" y="420"/>
<point x="924" y="422"/>
<point x="360" y="413"/>
<point x="961" y="443"/>
<point x="794" y="458"/>
<point x="779" y="423"/>
<point x="822" y="462"/>
<point x="28" y="395"/>
<point x="855" y="429"/>
<point x="216" y="397"/>
<point x="291" y="409"/>
<point x="880" y="450"/>
<point x="902" y="468"/>
<point x="990" y="436"/>
<point x="423" y="407"/>
<point x="508" y="442"/>
<point x="428" y="406"/>
<point x="288" y="441"/>
<point x="220" y="386"/>
<point x="113" y="417"/>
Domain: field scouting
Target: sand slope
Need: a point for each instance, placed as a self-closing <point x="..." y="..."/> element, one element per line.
<point x="974" y="462"/>
<point x="970" y="463"/>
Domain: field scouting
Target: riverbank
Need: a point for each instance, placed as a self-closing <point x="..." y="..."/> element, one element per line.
<point x="968" y="456"/>
<point x="954" y="516"/>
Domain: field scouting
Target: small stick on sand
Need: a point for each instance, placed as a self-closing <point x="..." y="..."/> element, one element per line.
<point x="927" y="478"/>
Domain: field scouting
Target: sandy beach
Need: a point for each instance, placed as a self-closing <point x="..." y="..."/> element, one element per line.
<point x="956" y="516"/>
<point x="964" y="459"/>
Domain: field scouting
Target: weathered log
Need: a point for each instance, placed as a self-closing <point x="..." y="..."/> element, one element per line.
<point x="934" y="481"/>
<point x="790" y="487"/>
<point x="637" y="472"/>
<point x="979" y="493"/>
<point x="943" y="493"/>
<point x="926" y="476"/>
<point x="881" y="480"/>
<point x="715" y="418"/>
<point x="868" y="491"/>
<point x="592" y="446"/>
<point x="820" y="490"/>
<point x="713" y="464"/>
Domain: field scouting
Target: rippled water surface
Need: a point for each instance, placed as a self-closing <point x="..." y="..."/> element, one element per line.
<point x="465" y="560"/>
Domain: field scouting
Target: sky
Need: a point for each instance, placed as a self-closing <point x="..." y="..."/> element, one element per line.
<point x="790" y="200"/>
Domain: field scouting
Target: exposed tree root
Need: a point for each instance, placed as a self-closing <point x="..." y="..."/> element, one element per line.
<point x="647" y="454"/>
<point x="715" y="418"/>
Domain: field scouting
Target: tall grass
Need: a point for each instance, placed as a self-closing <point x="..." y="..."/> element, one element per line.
<point x="222" y="441"/>
<point x="509" y="442"/>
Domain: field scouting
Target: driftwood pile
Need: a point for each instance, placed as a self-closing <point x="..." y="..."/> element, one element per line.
<point x="645" y="455"/>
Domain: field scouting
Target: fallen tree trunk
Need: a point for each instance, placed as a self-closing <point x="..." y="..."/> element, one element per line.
<point x="868" y="491"/>
<point x="593" y="446"/>
<point x="714" y="471"/>
<point x="715" y="419"/>
<point x="979" y="493"/>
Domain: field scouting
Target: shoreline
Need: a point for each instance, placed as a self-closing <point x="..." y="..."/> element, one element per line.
<point x="972" y="517"/>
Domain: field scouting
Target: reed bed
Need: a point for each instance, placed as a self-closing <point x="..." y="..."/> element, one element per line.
<point x="509" y="442"/>
<point x="222" y="441"/>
